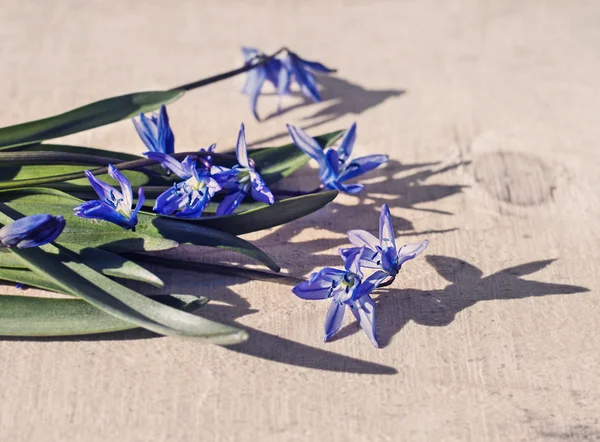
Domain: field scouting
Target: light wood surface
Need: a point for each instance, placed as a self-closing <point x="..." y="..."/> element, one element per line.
<point x="489" y="111"/>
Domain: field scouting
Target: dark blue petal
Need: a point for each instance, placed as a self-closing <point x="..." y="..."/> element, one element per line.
<point x="304" y="78"/>
<point x="105" y="192"/>
<point x="307" y="144"/>
<point x="312" y="291"/>
<point x="362" y="165"/>
<point x="189" y="167"/>
<point x="241" y="148"/>
<point x="138" y="206"/>
<point x="370" y="284"/>
<point x="352" y="262"/>
<point x="327" y="276"/>
<point x="316" y="66"/>
<point x="227" y="178"/>
<point x="347" y="143"/>
<point x="170" y="201"/>
<point x="334" y="318"/>
<point x="101" y="210"/>
<point x="260" y="191"/>
<point x="195" y="208"/>
<point x="352" y="189"/>
<point x="169" y="162"/>
<point x="364" y="312"/>
<point x="146" y="132"/>
<point x="230" y="202"/>
<point x="126" y="190"/>
<point x="273" y="68"/>
<point x="32" y="231"/>
<point x="166" y="139"/>
<point x="369" y="259"/>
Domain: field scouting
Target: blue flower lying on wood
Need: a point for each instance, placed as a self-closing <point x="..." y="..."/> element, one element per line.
<point x="242" y="180"/>
<point x="189" y="197"/>
<point x="156" y="132"/>
<point x="382" y="253"/>
<point x="335" y="167"/>
<point x="32" y="231"/>
<point x="280" y="72"/>
<point x="349" y="287"/>
<point x="114" y="206"/>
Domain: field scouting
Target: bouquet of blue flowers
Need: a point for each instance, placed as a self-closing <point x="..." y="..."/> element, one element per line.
<point x="81" y="221"/>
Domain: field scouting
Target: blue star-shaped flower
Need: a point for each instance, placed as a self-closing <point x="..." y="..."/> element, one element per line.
<point x="280" y="72"/>
<point x="190" y="196"/>
<point x="156" y="132"/>
<point x="32" y="231"/>
<point x="335" y="167"/>
<point x="347" y="289"/>
<point x="242" y="180"/>
<point x="113" y="206"/>
<point x="382" y="253"/>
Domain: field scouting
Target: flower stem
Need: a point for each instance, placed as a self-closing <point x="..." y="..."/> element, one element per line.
<point x="387" y="282"/>
<point x="254" y="62"/>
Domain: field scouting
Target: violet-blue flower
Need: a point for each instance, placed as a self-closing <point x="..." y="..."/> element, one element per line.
<point x="32" y="231"/>
<point x="156" y="132"/>
<point x="347" y="289"/>
<point x="296" y="68"/>
<point x="382" y="253"/>
<point x="335" y="167"/>
<point x="242" y="180"/>
<point x="189" y="197"/>
<point x="113" y="206"/>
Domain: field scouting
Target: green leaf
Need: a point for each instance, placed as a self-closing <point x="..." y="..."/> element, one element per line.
<point x="66" y="270"/>
<point x="86" y="117"/>
<point x="81" y="150"/>
<point x="152" y="233"/>
<point x="267" y="216"/>
<point x="27" y="277"/>
<point x="107" y="263"/>
<point x="31" y="316"/>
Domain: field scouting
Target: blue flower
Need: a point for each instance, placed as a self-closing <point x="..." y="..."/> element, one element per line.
<point x="347" y="289"/>
<point x="190" y="196"/>
<point x="382" y="253"/>
<point x="242" y="180"/>
<point x="280" y="73"/>
<point x="156" y="132"/>
<point x="32" y="231"/>
<point x="335" y="167"/>
<point x="114" y="206"/>
<point x="294" y="67"/>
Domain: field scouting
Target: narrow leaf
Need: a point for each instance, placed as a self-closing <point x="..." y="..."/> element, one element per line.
<point x="32" y="316"/>
<point x="86" y="117"/>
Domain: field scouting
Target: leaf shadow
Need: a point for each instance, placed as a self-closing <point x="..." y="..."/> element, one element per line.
<point x="467" y="286"/>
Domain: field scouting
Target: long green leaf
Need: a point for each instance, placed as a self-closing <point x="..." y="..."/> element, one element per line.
<point x="32" y="316"/>
<point x="152" y="233"/>
<point x="107" y="263"/>
<point x="267" y="216"/>
<point x="66" y="271"/>
<point x="86" y="117"/>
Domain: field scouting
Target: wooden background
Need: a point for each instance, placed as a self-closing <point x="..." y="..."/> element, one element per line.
<point x="489" y="111"/>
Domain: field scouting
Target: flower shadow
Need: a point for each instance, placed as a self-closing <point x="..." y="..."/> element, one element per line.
<point x="341" y="97"/>
<point x="467" y="286"/>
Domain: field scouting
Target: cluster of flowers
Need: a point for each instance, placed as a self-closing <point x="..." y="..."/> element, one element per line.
<point x="201" y="179"/>
<point x="281" y="71"/>
<point x="349" y="287"/>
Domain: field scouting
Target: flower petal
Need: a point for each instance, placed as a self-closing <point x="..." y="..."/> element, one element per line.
<point x="147" y="132"/>
<point x="329" y="275"/>
<point x="316" y="66"/>
<point x="170" y="201"/>
<point x="169" y="162"/>
<point x="104" y="191"/>
<point x="362" y="238"/>
<point x="101" y="210"/>
<point x="260" y="191"/>
<point x="230" y="202"/>
<point x="138" y="206"/>
<point x="351" y="189"/>
<point x="254" y="83"/>
<point x="306" y="143"/>
<point x="334" y="318"/>
<point x="364" y="312"/>
<point x="370" y="284"/>
<point x="369" y="259"/>
<point x="410" y="251"/>
<point x="352" y="261"/>
<point x="305" y="79"/>
<point x="362" y="165"/>
<point x="312" y="291"/>
<point x="347" y="143"/>
<point x="126" y="191"/>
<point x="283" y="83"/>
<point x="166" y="139"/>
<point x="386" y="230"/>
<point x="241" y="148"/>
